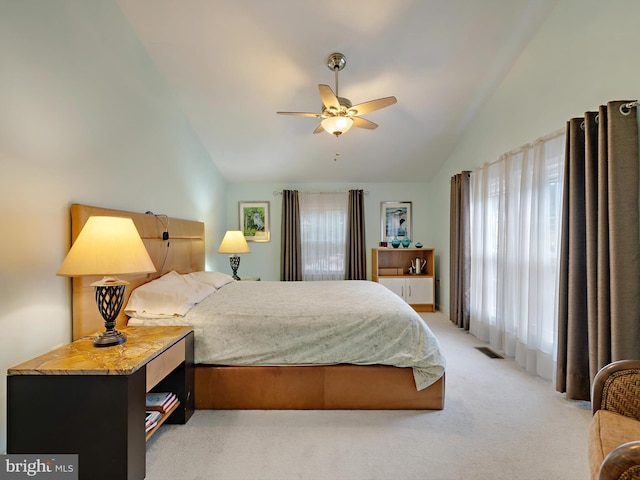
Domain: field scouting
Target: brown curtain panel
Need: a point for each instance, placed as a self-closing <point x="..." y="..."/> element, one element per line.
<point x="599" y="296"/>
<point x="356" y="254"/>
<point x="460" y="249"/>
<point x="290" y="251"/>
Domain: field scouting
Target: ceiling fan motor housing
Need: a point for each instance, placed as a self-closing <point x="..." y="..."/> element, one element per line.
<point x="345" y="103"/>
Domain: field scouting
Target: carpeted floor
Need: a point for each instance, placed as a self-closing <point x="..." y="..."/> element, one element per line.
<point x="499" y="422"/>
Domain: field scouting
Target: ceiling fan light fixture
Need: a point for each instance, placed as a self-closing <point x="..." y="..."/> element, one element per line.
<point x="337" y="125"/>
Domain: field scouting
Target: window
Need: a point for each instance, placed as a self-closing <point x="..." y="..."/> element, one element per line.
<point x="515" y="231"/>
<point x="323" y="232"/>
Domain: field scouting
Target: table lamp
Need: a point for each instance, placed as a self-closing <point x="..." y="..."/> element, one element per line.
<point x="108" y="246"/>
<point x="234" y="243"/>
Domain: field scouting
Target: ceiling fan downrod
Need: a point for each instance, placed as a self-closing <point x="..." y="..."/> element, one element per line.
<point x="336" y="62"/>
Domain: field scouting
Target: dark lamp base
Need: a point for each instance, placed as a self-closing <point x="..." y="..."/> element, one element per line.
<point x="109" y="338"/>
<point x="109" y="299"/>
<point x="234" y="261"/>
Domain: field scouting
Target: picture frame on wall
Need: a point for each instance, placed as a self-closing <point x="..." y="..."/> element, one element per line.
<point x="254" y="221"/>
<point x="395" y="221"/>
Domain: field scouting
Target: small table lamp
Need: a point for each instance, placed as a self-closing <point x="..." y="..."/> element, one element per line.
<point x="108" y="246"/>
<point x="234" y="243"/>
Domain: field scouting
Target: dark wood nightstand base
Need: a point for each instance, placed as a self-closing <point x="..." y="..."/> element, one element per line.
<point x="92" y="402"/>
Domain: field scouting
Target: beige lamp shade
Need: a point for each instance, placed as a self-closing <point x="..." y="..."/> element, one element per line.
<point x="107" y="246"/>
<point x="337" y="125"/>
<point x="234" y="242"/>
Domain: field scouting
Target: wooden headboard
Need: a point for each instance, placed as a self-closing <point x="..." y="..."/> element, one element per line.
<point x="183" y="251"/>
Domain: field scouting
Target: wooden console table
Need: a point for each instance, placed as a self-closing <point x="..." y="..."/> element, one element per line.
<point x="91" y="401"/>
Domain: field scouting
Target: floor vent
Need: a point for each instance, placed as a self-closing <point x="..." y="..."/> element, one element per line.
<point x="489" y="353"/>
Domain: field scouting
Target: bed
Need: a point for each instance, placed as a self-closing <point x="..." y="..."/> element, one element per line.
<point x="316" y="375"/>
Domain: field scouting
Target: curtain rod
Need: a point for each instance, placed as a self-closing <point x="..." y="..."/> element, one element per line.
<point x="550" y="136"/>
<point x="625" y="108"/>
<point x="366" y="192"/>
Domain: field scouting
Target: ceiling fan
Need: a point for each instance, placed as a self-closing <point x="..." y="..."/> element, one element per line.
<point x="338" y="115"/>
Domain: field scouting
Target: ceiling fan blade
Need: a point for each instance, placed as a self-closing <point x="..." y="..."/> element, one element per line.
<point x="329" y="98"/>
<point x="301" y="114"/>
<point x="319" y="129"/>
<point x="366" y="107"/>
<point x="364" y="123"/>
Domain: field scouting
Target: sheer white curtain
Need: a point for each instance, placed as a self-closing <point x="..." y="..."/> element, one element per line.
<point x="515" y="236"/>
<point x="323" y="233"/>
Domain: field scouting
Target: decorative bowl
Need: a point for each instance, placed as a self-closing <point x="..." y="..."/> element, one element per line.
<point x="418" y="245"/>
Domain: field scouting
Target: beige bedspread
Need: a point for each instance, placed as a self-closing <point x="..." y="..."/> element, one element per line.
<point x="311" y="323"/>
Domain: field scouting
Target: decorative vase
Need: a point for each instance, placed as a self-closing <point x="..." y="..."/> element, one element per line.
<point x="418" y="245"/>
<point x="406" y="242"/>
<point x="395" y="243"/>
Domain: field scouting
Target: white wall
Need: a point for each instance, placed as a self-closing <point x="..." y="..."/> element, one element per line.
<point x="584" y="55"/>
<point x="264" y="259"/>
<point x="84" y="117"/>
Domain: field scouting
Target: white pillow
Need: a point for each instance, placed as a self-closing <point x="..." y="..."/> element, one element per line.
<point x="168" y="296"/>
<point x="215" y="279"/>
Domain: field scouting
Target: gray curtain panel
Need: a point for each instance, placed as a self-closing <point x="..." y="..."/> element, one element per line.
<point x="356" y="254"/>
<point x="460" y="249"/>
<point x="599" y="291"/>
<point x="290" y="251"/>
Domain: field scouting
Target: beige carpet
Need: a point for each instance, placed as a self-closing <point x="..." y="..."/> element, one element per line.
<point x="499" y="422"/>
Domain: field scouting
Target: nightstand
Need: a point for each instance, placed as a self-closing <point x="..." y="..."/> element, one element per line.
<point x="89" y="401"/>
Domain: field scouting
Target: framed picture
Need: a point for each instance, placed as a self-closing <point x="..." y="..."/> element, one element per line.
<point x="254" y="221"/>
<point x="395" y="221"/>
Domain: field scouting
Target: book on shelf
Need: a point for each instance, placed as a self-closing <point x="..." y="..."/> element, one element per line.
<point x="170" y="405"/>
<point x="151" y="419"/>
<point x="161" y="401"/>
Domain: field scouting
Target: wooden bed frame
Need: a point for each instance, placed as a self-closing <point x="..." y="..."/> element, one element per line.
<point x="375" y="387"/>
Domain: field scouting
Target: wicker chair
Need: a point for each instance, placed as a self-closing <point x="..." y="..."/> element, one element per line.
<point x="614" y="436"/>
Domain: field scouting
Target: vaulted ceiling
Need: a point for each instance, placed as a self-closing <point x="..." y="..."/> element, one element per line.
<point x="234" y="63"/>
